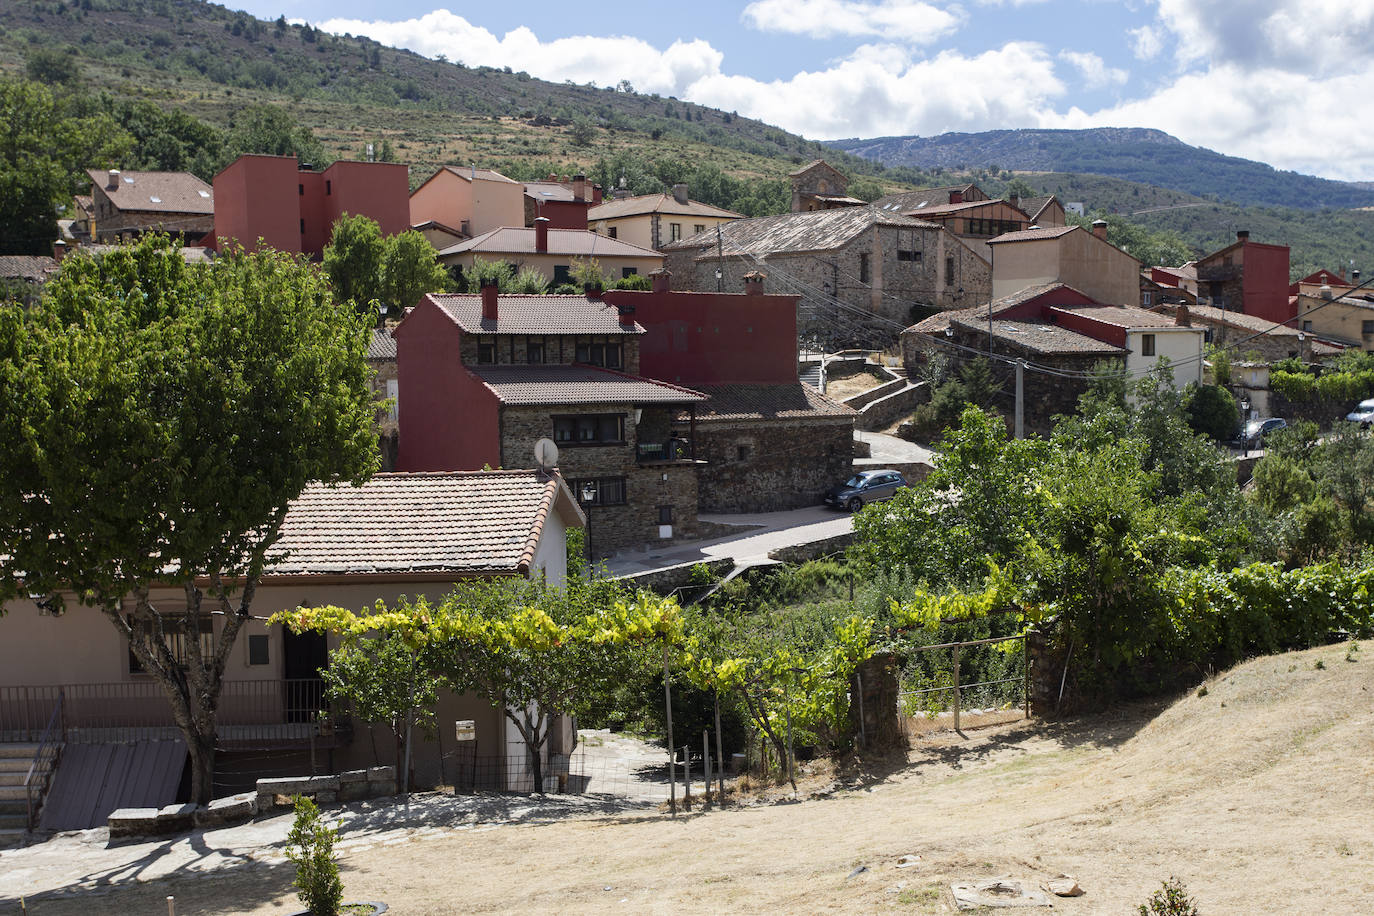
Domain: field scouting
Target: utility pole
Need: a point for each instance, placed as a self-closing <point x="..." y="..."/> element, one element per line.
<point x="1020" y="398"/>
<point x="720" y="262"/>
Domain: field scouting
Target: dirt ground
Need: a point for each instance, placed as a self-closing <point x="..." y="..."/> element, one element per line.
<point x="1257" y="791"/>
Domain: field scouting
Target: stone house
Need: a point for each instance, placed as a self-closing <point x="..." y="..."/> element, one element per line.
<point x="966" y="211"/>
<point x="483" y="378"/>
<point x="1070" y="255"/>
<point x="397" y="534"/>
<point x="861" y="273"/>
<point x="1243" y="334"/>
<point x="553" y="252"/>
<point x="381" y="359"/>
<point x="655" y="220"/>
<point x="1248" y="277"/>
<point x="124" y="205"/>
<point x="820" y="186"/>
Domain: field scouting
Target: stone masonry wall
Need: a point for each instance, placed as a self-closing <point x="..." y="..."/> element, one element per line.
<point x="772" y="465"/>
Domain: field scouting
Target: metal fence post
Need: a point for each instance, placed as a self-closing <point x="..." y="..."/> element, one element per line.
<point x="668" y="709"/>
<point x="706" y="762"/>
<point x="687" y="777"/>
<point x="956" y="687"/>
<point x="1026" y="691"/>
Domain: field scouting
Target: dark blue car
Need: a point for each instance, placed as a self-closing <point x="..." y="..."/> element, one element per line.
<point x="864" y="488"/>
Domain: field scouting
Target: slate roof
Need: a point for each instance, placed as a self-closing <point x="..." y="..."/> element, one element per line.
<point x="924" y="198"/>
<point x="33" y="268"/>
<point x="463" y="523"/>
<point x="1041" y="337"/>
<point x="551" y="191"/>
<point x="157" y="192"/>
<point x="936" y="324"/>
<point x="1032" y="235"/>
<point x="1032" y="206"/>
<point x="556" y="385"/>
<point x="768" y="402"/>
<point x="520" y="314"/>
<point x="818" y="230"/>
<point x="1122" y="316"/>
<point x="381" y="345"/>
<point x="1239" y="320"/>
<point x="949" y="208"/>
<point x="517" y="240"/>
<point x="657" y="203"/>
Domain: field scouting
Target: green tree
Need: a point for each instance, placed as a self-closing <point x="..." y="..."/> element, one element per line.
<point x="53" y="67"/>
<point x="270" y="130"/>
<point x="161" y="418"/>
<point x="410" y="268"/>
<point x="353" y="262"/>
<point x="1212" y="411"/>
<point x="310" y="847"/>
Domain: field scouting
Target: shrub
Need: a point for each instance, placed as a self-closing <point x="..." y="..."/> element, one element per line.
<point x="310" y="845"/>
<point x="1170" y="900"/>
<point x="1212" y="411"/>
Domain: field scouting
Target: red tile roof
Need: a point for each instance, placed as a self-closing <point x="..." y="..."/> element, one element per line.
<point x="157" y="192"/>
<point x="381" y="345"/>
<point x="657" y="203"/>
<point x="1032" y="235"/>
<point x="459" y="523"/>
<point x="561" y="385"/>
<point x="33" y="268"/>
<point x="579" y="243"/>
<point x="519" y="314"/>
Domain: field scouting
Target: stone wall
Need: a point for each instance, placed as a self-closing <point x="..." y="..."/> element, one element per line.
<point x="801" y="553"/>
<point x="676" y="578"/>
<point x="769" y="465"/>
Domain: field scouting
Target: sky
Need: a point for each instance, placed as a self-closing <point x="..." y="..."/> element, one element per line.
<point x="1280" y="81"/>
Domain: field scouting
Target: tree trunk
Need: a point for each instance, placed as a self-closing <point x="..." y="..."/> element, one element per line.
<point x="534" y="737"/>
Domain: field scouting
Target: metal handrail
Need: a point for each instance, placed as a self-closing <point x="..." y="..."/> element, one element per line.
<point x="54" y="723"/>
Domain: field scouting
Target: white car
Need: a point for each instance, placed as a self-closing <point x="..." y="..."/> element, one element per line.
<point x="1363" y="414"/>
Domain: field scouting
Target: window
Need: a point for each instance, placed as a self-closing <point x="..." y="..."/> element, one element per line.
<point x="534" y="351"/>
<point x="611" y="232"/>
<point x="1307" y="325"/>
<point x="904" y="255"/>
<point x="328" y="186"/>
<point x="699" y="227"/>
<point x="590" y="429"/>
<point x="302" y="227"/>
<point x="486" y="352"/>
<point x="949" y="271"/>
<point x="174" y="634"/>
<point x="1147" y="345"/>
<point x="665" y="515"/>
<point x="259" y="652"/>
<point x="628" y="272"/>
<point x="742" y="453"/>
<point x="393" y="394"/>
<point x="301" y="189"/>
<point x="1147" y="298"/>
<point x="1367" y="327"/>
<point x="562" y="273"/>
<point x="863" y="268"/>
<point x="601" y="491"/>
<point x="674" y="231"/>
<point x="598" y="353"/>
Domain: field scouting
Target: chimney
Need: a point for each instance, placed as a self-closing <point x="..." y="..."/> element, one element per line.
<point x="956" y="197"/>
<point x="1015" y="201"/>
<point x="1326" y="293"/>
<point x="626" y="314"/>
<point x="620" y="194"/>
<point x="579" y="187"/>
<point x="112" y="184"/>
<point x="59" y="250"/>
<point x="1182" y="318"/>
<point x="1242" y="235"/>
<point x="680" y="193"/>
<point x="1355" y="277"/>
<point x="1100" y="229"/>
<point x="489" y="291"/>
<point x="593" y="292"/>
<point x="541" y="235"/>
<point x="662" y="278"/>
<point x="753" y="283"/>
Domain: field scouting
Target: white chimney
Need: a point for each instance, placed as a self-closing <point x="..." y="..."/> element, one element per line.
<point x="113" y="183"/>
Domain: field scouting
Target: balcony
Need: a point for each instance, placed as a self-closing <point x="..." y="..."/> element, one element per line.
<point x="672" y="450"/>
<point x="252" y="715"/>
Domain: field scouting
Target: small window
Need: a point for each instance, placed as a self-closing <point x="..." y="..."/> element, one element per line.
<point x="949" y="271"/>
<point x="913" y="256"/>
<point x="604" y="491"/>
<point x="665" y="515"/>
<point x="590" y="429"/>
<point x="1367" y="327"/>
<point x="1147" y="345"/>
<point x="562" y="273"/>
<point x="328" y="186"/>
<point x="611" y="232"/>
<point x="742" y="453"/>
<point x="1307" y="325"/>
<point x="863" y="268"/>
<point x="1147" y="298"/>
<point x="174" y="634"/>
<point x="674" y="231"/>
<point x="699" y="227"/>
<point x="302" y="227"/>
<point x="301" y="189"/>
<point x="259" y="649"/>
<point x="534" y="351"/>
<point x="486" y="353"/>
<point x="628" y="272"/>
<point x="393" y="394"/>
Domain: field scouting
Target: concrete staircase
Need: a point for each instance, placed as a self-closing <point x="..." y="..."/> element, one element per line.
<point x="15" y="760"/>
<point x="810" y="374"/>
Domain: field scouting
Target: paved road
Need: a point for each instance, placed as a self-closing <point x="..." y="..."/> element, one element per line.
<point x="759" y="533"/>
<point x="893" y="450"/>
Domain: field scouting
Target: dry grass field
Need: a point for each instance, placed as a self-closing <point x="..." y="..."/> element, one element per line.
<point x="1254" y="790"/>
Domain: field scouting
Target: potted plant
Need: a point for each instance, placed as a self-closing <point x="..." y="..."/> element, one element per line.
<point x="310" y="845"/>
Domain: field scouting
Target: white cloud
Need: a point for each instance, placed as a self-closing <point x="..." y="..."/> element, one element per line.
<point x="1302" y="35"/>
<point x="1093" y="69"/>
<point x="580" y="58"/>
<point x="1146" y="42"/>
<point x="911" y="21"/>
<point x="878" y="90"/>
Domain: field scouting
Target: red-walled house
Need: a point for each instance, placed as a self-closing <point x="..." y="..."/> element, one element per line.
<point x="290" y="207"/>
<point x="1248" y="277"/>
<point x="770" y="442"/>
<point x="482" y="378"/>
<point x="563" y="203"/>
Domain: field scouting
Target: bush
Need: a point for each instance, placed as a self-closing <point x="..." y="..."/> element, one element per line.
<point x="310" y="845"/>
<point x="1212" y="412"/>
<point x="1170" y="900"/>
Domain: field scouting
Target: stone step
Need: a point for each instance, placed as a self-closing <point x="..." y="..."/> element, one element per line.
<point x="18" y="764"/>
<point x="10" y="793"/>
<point x="18" y="749"/>
<point x="11" y="824"/>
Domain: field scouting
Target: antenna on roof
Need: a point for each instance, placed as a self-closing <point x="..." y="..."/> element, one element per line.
<point x="545" y="456"/>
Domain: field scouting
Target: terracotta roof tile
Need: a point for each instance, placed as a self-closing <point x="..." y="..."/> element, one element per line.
<point x="468" y="174"/>
<point x="1209" y="314"/>
<point x="381" y="345"/>
<point x="753" y="402"/>
<point x="1122" y="316"/>
<point x="560" y="385"/>
<point x="157" y="192"/>
<point x="1032" y="235"/>
<point x="579" y="243"/>
<point x="33" y="268"/>
<point x="463" y="523"/>
<point x="519" y="314"/>
<point x="657" y="203"/>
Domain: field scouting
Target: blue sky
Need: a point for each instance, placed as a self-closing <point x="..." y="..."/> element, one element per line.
<point x="1281" y="81"/>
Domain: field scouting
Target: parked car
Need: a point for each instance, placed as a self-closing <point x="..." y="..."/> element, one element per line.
<point x="1363" y="414"/>
<point x="1256" y="430"/>
<point x="864" y="488"/>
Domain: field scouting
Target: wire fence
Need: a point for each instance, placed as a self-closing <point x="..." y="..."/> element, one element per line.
<point x="950" y="685"/>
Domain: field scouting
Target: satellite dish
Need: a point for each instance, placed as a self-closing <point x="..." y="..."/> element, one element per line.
<point x="545" y="455"/>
